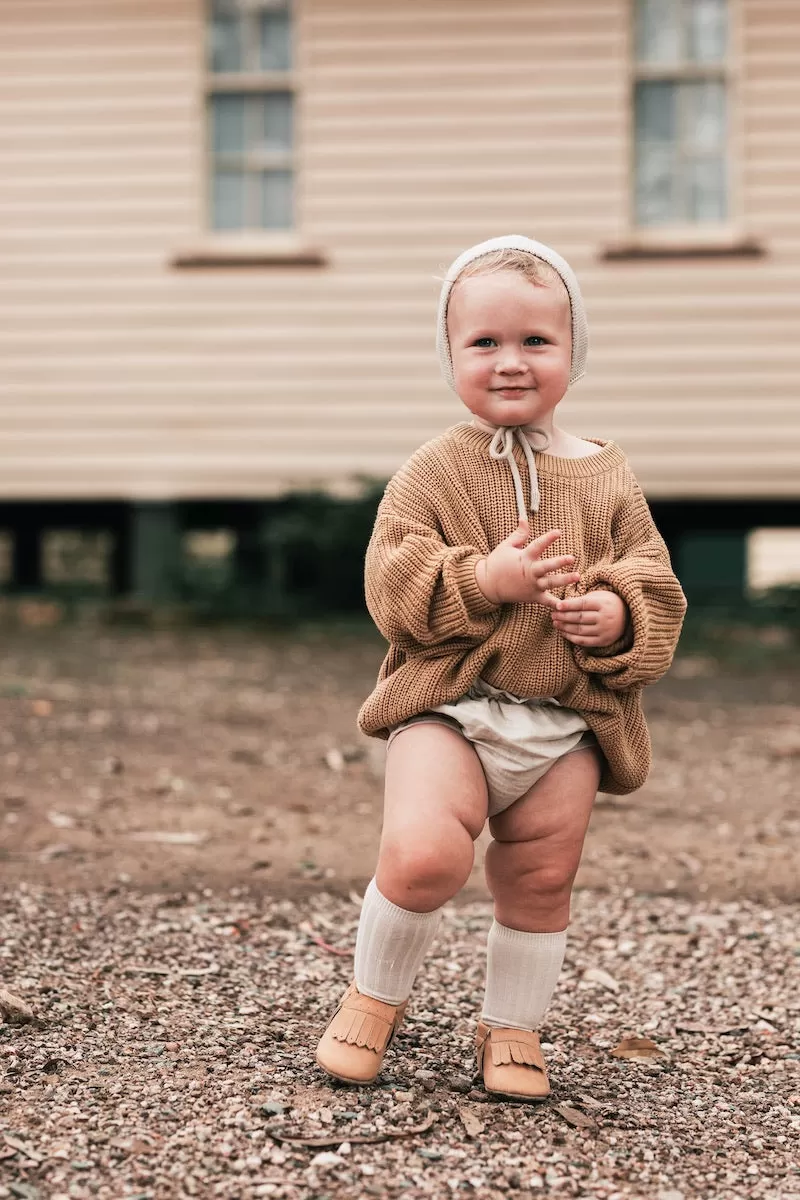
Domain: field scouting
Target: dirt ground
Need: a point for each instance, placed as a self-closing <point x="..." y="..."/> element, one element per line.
<point x="187" y="820"/>
<point x="217" y="758"/>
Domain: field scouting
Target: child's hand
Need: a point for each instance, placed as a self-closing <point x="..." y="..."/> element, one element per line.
<point x="596" y="619"/>
<point x="517" y="574"/>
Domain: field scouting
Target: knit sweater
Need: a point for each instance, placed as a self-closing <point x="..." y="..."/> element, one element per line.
<point x="450" y="505"/>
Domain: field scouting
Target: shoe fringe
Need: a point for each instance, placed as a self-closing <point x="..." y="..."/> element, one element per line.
<point x="510" y="1051"/>
<point x="361" y="1029"/>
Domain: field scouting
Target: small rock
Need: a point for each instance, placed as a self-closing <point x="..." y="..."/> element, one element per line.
<point x="335" y="760"/>
<point x="327" y="1159"/>
<point x="61" y="820"/>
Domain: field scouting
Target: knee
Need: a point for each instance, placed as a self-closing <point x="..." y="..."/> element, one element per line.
<point x="422" y="878"/>
<point x="519" y="869"/>
<point x="550" y="881"/>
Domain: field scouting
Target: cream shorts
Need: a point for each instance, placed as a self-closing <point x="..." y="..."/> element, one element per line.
<point x="517" y="741"/>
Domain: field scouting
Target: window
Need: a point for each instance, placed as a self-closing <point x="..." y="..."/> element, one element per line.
<point x="251" y="102"/>
<point x="681" y="169"/>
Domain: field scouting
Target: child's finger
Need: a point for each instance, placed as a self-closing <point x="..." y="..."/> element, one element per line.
<point x="588" y="625"/>
<point x="586" y="603"/>
<point x="542" y="543"/>
<point x="582" y="639"/>
<point x="520" y="535"/>
<point x="547" y="600"/>
<point x="547" y="566"/>
<point x="558" y="581"/>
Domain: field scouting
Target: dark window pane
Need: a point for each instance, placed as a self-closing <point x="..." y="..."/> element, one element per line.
<point x="277" y="200"/>
<point x="224" y="41"/>
<point x="276" y="44"/>
<point x="228" y="191"/>
<point x="656" y="112"/>
<point x="228" y="123"/>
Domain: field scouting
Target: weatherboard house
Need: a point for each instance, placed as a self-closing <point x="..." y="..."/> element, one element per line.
<point x="221" y="226"/>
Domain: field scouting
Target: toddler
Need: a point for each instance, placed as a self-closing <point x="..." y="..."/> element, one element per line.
<point x="527" y="598"/>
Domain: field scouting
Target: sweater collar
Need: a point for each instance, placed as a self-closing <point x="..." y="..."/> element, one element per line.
<point x="501" y="449"/>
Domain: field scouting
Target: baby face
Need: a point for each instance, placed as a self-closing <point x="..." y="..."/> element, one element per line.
<point x="511" y="346"/>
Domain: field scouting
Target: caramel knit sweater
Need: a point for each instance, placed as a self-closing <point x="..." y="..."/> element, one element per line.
<point x="450" y="505"/>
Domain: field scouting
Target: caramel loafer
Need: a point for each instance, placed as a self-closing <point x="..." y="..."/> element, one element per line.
<point x="511" y="1063"/>
<point x="360" y="1032"/>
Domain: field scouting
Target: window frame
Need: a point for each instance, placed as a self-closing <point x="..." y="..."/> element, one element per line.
<point x="250" y="82"/>
<point x="249" y="246"/>
<point x="687" y="239"/>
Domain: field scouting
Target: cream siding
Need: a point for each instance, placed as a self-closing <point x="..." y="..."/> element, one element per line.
<point x="425" y="127"/>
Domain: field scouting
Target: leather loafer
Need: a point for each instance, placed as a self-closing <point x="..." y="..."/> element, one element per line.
<point x="359" y="1034"/>
<point x="511" y="1063"/>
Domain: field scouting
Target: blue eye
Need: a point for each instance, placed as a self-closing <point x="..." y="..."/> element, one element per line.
<point x="535" y="340"/>
<point x="485" y="342"/>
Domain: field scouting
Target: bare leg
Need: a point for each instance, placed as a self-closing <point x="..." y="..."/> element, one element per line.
<point x="435" y="807"/>
<point x="533" y="860"/>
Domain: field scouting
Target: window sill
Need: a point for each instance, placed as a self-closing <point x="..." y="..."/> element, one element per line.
<point x="683" y="243"/>
<point x="236" y="251"/>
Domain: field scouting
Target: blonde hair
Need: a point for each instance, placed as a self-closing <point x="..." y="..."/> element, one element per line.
<point x="536" y="270"/>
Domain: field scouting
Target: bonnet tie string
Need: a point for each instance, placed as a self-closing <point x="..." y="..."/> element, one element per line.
<point x="502" y="448"/>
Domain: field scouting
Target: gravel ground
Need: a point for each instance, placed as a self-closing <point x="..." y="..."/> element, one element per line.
<point x="171" y="1055"/>
<point x="187" y="820"/>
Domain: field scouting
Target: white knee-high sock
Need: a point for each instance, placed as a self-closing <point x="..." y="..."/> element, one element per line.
<point x="522" y="970"/>
<point x="390" y="946"/>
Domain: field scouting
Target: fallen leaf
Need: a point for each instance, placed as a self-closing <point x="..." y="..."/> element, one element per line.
<point x="692" y="864"/>
<point x="33" y="1155"/>
<point x="472" y="1123"/>
<point x="55" y="850"/>
<point x="132" y="970"/>
<point x="574" y="1116"/>
<point x="711" y="1030"/>
<point x="13" y="1010"/>
<point x="639" y="1049"/>
<point x="786" y="747"/>
<point x="385" y="1135"/>
<point x="308" y="929"/>
<point x="41" y="708"/>
<point x="598" y="975"/>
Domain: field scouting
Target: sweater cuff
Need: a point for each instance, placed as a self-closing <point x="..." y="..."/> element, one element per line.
<point x="475" y="603"/>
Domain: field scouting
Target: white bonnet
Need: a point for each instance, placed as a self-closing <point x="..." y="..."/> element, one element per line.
<point x="580" y="331"/>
